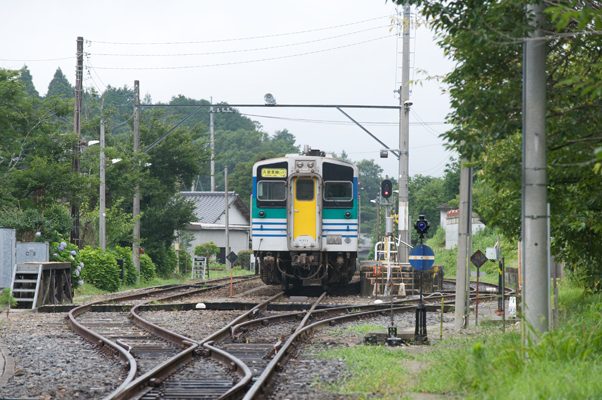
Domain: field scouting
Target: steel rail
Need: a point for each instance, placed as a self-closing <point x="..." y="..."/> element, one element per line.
<point x="113" y="347"/>
<point x="93" y="337"/>
<point x="145" y="383"/>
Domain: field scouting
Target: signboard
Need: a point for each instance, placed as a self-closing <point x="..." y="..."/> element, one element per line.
<point x="476" y="274"/>
<point x="422" y="257"/>
<point x="273" y="173"/>
<point x="478" y="258"/>
<point x="232" y="257"/>
<point x="490" y="253"/>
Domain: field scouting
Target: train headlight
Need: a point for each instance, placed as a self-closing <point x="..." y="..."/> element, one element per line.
<point x="262" y="213"/>
<point x="299" y="164"/>
<point x="347" y="214"/>
<point x="310" y="164"/>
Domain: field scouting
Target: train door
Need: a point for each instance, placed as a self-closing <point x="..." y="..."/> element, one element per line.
<point x="306" y="203"/>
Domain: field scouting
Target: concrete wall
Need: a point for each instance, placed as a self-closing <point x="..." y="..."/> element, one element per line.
<point x="451" y="230"/>
<point x="235" y="217"/>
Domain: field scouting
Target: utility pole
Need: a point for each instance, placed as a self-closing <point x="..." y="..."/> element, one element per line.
<point x="464" y="249"/>
<point x="136" y="211"/>
<point x="212" y="146"/>
<point x="102" y="221"/>
<point x="228" y="266"/>
<point x="404" y="137"/>
<point x="535" y="214"/>
<point x="77" y="129"/>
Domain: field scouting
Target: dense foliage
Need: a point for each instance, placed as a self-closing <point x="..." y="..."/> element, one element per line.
<point x="100" y="269"/>
<point x="206" y="250"/>
<point x="485" y="39"/>
<point x="68" y="252"/>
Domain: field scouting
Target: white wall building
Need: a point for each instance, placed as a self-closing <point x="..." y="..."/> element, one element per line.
<point x="451" y="227"/>
<point x="211" y="212"/>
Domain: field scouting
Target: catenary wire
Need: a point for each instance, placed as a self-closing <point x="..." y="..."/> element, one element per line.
<point x="239" y="39"/>
<point x="338" y="122"/>
<point x="238" y="51"/>
<point x="247" y="61"/>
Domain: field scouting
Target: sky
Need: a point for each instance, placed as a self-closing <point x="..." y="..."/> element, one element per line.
<point x="330" y="52"/>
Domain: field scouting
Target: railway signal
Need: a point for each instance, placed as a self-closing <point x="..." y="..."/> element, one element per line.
<point x="421" y="258"/>
<point x="386" y="188"/>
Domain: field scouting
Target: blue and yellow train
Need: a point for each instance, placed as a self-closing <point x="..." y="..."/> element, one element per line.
<point x="305" y="219"/>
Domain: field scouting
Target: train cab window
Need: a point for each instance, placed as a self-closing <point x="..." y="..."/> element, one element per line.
<point x="304" y="190"/>
<point x="338" y="191"/>
<point x="271" y="190"/>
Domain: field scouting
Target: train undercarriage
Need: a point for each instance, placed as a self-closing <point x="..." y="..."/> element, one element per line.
<point x="304" y="269"/>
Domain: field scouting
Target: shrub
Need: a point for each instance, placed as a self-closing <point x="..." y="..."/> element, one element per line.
<point x="130" y="273"/>
<point x="7" y="297"/>
<point x="147" y="268"/>
<point x="206" y="250"/>
<point x="51" y="224"/>
<point x="185" y="262"/>
<point x="165" y="261"/>
<point x="68" y="252"/>
<point x="244" y="259"/>
<point x="101" y="269"/>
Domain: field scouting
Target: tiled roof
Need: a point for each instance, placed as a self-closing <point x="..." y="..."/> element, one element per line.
<point x="210" y="205"/>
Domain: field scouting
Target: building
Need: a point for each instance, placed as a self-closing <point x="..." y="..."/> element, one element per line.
<point x="211" y="227"/>
<point x="451" y="227"/>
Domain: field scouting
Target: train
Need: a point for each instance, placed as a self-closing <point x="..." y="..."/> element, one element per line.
<point x="305" y="220"/>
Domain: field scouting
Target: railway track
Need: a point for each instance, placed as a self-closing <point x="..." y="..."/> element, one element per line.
<point x="240" y="360"/>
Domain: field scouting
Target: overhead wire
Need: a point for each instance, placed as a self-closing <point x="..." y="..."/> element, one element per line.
<point x="247" y="61"/>
<point x="337" y="122"/>
<point x="239" y="51"/>
<point x="239" y="39"/>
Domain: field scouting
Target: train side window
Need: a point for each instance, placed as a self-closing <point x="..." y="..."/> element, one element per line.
<point x="338" y="191"/>
<point x="271" y="190"/>
<point x="305" y="189"/>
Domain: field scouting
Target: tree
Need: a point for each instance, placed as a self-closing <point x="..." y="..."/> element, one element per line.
<point x="27" y="79"/>
<point x="60" y="86"/>
<point x="485" y="40"/>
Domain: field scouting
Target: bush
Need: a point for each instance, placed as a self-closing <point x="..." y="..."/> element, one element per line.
<point x="51" y="224"/>
<point x="129" y="269"/>
<point x="7" y="297"/>
<point x="244" y="259"/>
<point x="185" y="262"/>
<point x="147" y="268"/>
<point x="165" y="261"/>
<point x="206" y="250"/>
<point x="68" y="252"/>
<point x="101" y="269"/>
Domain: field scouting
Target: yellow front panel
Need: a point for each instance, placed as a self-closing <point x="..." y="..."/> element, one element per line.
<point x="304" y="208"/>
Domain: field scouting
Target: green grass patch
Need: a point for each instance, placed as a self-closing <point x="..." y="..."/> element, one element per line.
<point x="374" y="369"/>
<point x="564" y="364"/>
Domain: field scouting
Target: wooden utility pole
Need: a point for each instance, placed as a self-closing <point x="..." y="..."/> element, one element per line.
<point x="136" y="211"/>
<point x="77" y="119"/>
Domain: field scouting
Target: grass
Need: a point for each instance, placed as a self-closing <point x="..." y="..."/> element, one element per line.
<point x="87" y="290"/>
<point x="566" y="363"/>
<point x="480" y="241"/>
<point x="374" y="369"/>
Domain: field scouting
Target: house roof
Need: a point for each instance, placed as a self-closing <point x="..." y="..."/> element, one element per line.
<point x="209" y="206"/>
<point x="444" y="207"/>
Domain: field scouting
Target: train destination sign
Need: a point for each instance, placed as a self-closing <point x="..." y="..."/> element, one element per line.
<point x="422" y="257"/>
<point x="273" y="173"/>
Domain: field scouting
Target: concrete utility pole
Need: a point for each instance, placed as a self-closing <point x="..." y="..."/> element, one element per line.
<point x="228" y="266"/>
<point x="136" y="211"/>
<point x="535" y="216"/>
<point x="77" y="129"/>
<point x="212" y="146"/>
<point x="404" y="138"/>
<point x="102" y="222"/>
<point x="464" y="247"/>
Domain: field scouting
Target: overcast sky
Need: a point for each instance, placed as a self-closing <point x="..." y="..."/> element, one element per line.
<point x="303" y="52"/>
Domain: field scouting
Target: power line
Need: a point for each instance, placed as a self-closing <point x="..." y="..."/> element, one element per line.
<point x="238" y="51"/>
<point x="248" y="61"/>
<point x="239" y="39"/>
<point x="338" y="122"/>
<point x="44" y="59"/>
